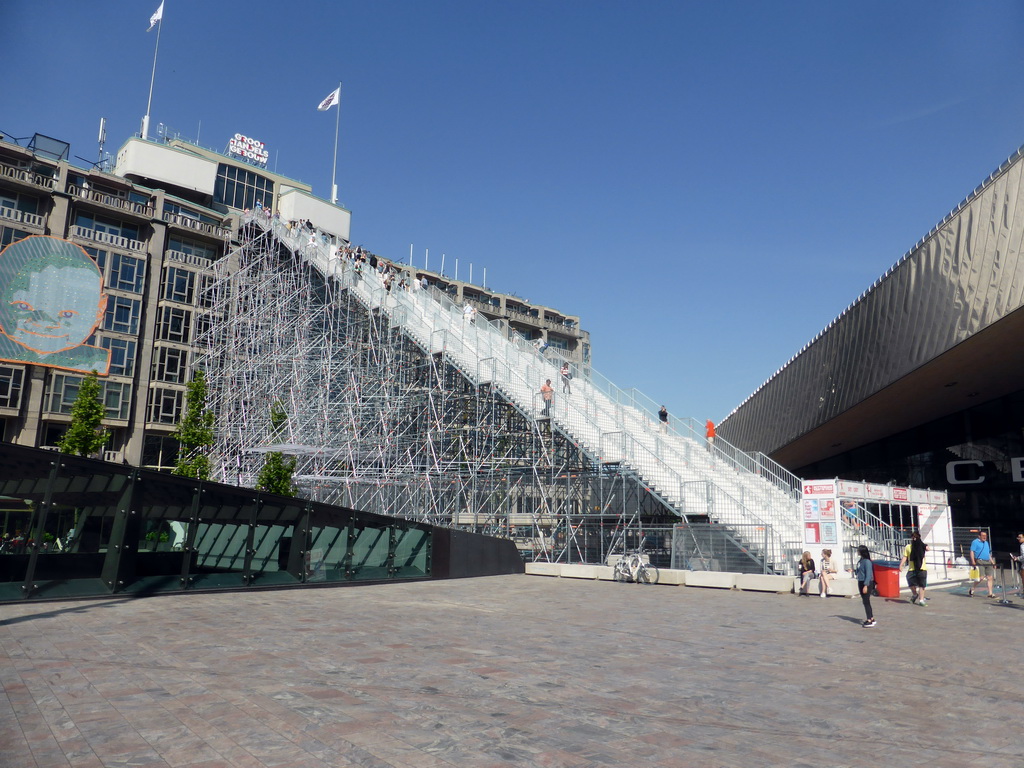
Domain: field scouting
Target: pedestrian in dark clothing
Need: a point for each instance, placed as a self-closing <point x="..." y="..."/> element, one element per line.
<point x="865" y="573"/>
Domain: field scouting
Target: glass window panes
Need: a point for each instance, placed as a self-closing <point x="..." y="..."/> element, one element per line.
<point x="174" y="324"/>
<point x="171" y="364"/>
<point x="122" y="355"/>
<point x="126" y="273"/>
<point x="193" y="248"/>
<point x="10" y="386"/>
<point x="122" y="314"/>
<point x="179" y="285"/>
<point x="107" y="225"/>
<point x="165" y="405"/>
<point x="240" y="188"/>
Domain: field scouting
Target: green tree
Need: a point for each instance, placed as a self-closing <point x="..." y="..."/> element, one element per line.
<point x="85" y="436"/>
<point x="195" y="431"/>
<point x="276" y="474"/>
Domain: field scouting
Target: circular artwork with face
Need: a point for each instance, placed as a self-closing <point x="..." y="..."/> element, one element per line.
<point x="51" y="302"/>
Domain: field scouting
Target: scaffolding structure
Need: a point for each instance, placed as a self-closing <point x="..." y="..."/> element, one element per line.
<point x="378" y="423"/>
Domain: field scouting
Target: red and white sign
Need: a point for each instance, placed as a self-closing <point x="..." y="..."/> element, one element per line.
<point x="900" y="494"/>
<point x="819" y="488"/>
<point x="879" y="492"/>
<point x="250" y="149"/>
<point x="851" y="489"/>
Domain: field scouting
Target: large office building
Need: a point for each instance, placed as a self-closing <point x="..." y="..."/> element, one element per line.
<point x="921" y="380"/>
<point x="154" y="223"/>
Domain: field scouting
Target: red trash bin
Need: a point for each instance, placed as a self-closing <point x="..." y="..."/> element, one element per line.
<point x="887" y="577"/>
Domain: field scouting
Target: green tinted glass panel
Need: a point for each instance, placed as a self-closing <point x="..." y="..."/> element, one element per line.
<point x="412" y="553"/>
<point x="327" y="556"/>
<point x="370" y="549"/>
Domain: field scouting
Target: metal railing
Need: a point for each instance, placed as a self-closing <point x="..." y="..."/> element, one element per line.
<point x="112" y="201"/>
<point x="118" y="241"/>
<point x="611" y="428"/>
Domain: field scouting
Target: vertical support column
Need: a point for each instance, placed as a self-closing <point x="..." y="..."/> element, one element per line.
<point x="122" y="547"/>
<point x="28" y="587"/>
<point x="189" y="546"/>
<point x="300" y="544"/>
<point x="250" y="541"/>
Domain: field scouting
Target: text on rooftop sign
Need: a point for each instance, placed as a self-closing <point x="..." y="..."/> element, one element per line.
<point x="251" y="149"/>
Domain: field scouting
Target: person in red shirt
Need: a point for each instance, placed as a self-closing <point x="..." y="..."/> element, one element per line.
<point x="710" y="434"/>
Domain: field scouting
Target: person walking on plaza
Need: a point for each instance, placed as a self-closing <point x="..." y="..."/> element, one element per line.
<point x="566" y="378"/>
<point x="917" y="569"/>
<point x="663" y="418"/>
<point x="865" y="573"/>
<point x="981" y="558"/>
<point x="1019" y="558"/>
<point x="709" y="433"/>
<point x="548" y="395"/>
<point x="828" y="570"/>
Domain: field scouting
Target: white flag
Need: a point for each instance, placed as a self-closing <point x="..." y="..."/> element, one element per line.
<point x="331" y="100"/>
<point x="157" y="16"/>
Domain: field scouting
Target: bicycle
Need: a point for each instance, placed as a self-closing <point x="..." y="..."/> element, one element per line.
<point x="631" y="568"/>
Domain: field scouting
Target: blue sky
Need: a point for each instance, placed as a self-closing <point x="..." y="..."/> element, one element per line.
<point x="706" y="184"/>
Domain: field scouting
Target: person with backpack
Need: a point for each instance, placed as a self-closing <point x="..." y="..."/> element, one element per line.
<point x="917" y="569"/>
<point x="865" y="573"/>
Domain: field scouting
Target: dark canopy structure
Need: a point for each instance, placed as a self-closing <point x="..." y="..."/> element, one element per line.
<point x="88" y="528"/>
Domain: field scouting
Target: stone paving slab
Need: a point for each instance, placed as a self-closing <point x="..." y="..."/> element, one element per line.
<point x="510" y="671"/>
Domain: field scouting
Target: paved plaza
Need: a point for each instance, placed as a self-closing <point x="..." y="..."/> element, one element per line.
<point x="510" y="670"/>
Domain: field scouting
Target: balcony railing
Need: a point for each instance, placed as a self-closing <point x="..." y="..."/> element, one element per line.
<point x="28" y="177"/>
<point x="31" y="219"/>
<point x="112" y="201"/>
<point x="105" y="237"/>
<point x="187" y="258"/>
<point x="197" y="226"/>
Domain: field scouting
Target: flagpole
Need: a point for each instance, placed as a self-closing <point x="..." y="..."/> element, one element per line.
<point x="334" y="167"/>
<point x="145" y="120"/>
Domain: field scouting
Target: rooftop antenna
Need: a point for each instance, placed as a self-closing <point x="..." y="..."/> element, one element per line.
<point x="102" y="138"/>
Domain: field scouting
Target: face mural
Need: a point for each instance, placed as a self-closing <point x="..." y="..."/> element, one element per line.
<point x="51" y="301"/>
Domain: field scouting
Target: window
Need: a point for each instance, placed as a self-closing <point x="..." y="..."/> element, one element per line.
<point x="122" y="355"/>
<point x="189" y="213"/>
<point x="99" y="256"/>
<point x="165" y="405"/>
<point x="196" y="248"/>
<point x="107" y="225"/>
<point x="62" y="394"/>
<point x="19" y="201"/>
<point x="117" y="399"/>
<point x="126" y="273"/>
<point x="179" y="285"/>
<point x="10" y="235"/>
<point x="159" y="451"/>
<point x="171" y="364"/>
<point x="240" y="188"/>
<point x="10" y="386"/>
<point x="122" y="315"/>
<point x="174" y="324"/>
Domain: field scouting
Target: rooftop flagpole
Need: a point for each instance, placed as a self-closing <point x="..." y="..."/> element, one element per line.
<point x="333" y="99"/>
<point x="158" y="19"/>
<point x="334" y="167"/>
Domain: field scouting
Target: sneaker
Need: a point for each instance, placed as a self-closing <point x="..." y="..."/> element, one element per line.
<point x="823" y="595"/>
<point x="970" y="592"/>
<point x="923" y="601"/>
<point x="913" y="601"/>
<point x="869" y="623"/>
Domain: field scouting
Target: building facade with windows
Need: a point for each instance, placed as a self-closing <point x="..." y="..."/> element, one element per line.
<point x="921" y="380"/>
<point x="154" y="225"/>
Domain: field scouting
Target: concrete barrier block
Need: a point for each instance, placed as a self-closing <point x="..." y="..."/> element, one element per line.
<point x="763" y="582"/>
<point x="715" y="579"/>
<point x="674" y="578"/>
<point x="604" y="572"/>
<point x="841" y="588"/>
<point x="543" y="569"/>
<point x="579" y="571"/>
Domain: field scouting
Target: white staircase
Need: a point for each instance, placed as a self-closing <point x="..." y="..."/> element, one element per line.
<point x="727" y="486"/>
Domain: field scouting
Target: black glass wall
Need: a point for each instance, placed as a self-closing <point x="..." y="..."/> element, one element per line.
<point x="976" y="454"/>
<point x="76" y="527"/>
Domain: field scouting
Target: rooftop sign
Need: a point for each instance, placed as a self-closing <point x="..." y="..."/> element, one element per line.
<point x="249" y="149"/>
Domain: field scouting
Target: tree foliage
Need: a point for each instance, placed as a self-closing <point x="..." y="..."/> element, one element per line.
<point x="85" y="436"/>
<point x="275" y="475"/>
<point x="195" y="431"/>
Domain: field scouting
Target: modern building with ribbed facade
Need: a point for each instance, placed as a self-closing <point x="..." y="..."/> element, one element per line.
<point x="921" y="380"/>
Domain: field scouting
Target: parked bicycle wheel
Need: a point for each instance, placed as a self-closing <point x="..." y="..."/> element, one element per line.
<point x="648" y="574"/>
